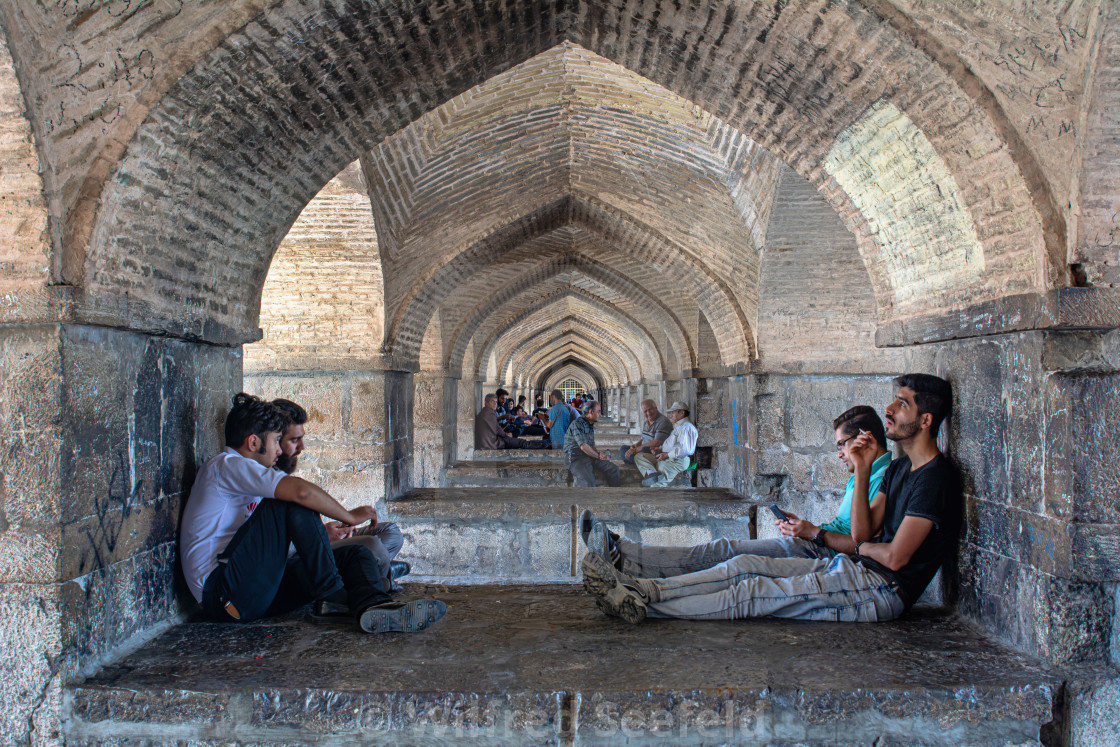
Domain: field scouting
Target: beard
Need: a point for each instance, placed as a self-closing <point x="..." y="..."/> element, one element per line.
<point x="902" y="432"/>
<point x="287" y="464"/>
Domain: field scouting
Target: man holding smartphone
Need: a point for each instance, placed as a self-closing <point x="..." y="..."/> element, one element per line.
<point x="915" y="517"/>
<point x="800" y="538"/>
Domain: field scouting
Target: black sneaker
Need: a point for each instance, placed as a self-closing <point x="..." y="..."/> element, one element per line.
<point x="398" y="569"/>
<point x="616" y="593"/>
<point x="399" y="617"/>
<point x="323" y="611"/>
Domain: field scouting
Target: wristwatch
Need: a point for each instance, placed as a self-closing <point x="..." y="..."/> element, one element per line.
<point x="818" y="540"/>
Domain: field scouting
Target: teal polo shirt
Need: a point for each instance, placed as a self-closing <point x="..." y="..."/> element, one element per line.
<point x="842" y="524"/>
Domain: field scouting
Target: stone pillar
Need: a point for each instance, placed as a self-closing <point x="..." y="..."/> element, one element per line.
<point x="468" y="403"/>
<point x="710" y="414"/>
<point x="428" y="429"/>
<point x="102" y="431"/>
<point x="450" y="421"/>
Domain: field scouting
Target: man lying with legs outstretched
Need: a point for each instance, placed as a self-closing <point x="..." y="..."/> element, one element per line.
<point x="914" y="517"/>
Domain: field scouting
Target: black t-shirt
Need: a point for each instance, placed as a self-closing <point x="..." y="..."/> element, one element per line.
<point x="930" y="492"/>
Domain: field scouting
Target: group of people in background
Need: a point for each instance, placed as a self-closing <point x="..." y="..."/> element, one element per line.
<point x="664" y="449"/>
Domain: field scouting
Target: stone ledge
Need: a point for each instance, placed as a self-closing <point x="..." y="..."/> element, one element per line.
<point x="541" y="665"/>
<point x="485" y="535"/>
<point x="1062" y="308"/>
<point x="529" y="472"/>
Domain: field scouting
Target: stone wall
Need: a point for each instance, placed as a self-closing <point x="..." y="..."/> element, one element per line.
<point x="103" y="432"/>
<point x="359" y="430"/>
<point x="429" y="429"/>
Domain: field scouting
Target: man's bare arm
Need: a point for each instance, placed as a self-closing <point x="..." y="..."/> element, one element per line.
<point x="309" y="495"/>
<point x="897" y="553"/>
<point x="590" y="451"/>
<point x="866" y="516"/>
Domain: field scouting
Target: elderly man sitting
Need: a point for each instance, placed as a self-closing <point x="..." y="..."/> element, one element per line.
<point x="672" y="457"/>
<point x="654" y="432"/>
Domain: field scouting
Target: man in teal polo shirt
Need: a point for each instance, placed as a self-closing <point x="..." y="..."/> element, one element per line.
<point x="800" y="538"/>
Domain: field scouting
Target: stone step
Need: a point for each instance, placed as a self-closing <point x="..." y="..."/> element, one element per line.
<point x="541" y="665"/>
<point x="528" y="472"/>
<point x="483" y="535"/>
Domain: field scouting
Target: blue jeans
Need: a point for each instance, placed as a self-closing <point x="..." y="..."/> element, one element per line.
<point x="836" y="590"/>
<point x="660" y="561"/>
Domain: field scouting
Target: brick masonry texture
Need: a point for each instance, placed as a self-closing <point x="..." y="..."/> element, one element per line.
<point x="783" y="108"/>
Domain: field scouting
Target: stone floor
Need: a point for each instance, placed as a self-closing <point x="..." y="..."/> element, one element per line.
<point x="541" y="665"/>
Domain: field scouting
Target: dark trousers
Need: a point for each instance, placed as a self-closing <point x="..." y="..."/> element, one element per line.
<point x="255" y="574"/>
<point x="520" y="443"/>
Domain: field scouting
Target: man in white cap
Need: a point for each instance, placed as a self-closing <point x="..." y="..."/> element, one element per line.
<point x="672" y="457"/>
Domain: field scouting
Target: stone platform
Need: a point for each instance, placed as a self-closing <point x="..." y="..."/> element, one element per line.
<point x="542" y="666"/>
<point x="532" y="468"/>
<point x="493" y="535"/>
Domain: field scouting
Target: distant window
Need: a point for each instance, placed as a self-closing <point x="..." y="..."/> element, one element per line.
<point x="570" y="388"/>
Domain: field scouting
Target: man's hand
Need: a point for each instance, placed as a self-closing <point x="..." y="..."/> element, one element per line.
<point x="362" y="514"/>
<point x="862" y="451"/>
<point x="795" y="527"/>
<point x="336" y="531"/>
<point x="604" y="456"/>
<point x="633" y="450"/>
<point x="661" y="455"/>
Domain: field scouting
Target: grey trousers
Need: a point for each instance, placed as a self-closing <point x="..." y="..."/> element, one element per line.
<point x="384" y="540"/>
<point x="837" y="590"/>
<point x="584" y="469"/>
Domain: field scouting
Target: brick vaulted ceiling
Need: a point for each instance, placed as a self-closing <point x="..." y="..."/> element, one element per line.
<point x="624" y="153"/>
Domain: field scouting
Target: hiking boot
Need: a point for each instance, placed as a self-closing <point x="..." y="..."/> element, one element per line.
<point x="616" y="593"/>
<point x="401" y="617"/>
<point x="599" y="539"/>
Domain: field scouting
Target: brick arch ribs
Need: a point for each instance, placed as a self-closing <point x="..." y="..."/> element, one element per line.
<point x="240" y="143"/>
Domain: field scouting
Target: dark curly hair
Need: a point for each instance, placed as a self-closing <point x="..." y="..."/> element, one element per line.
<point x="296" y="414"/>
<point x="252" y="415"/>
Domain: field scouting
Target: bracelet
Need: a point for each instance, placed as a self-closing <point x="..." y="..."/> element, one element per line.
<point x="859" y="545"/>
<point x="818" y="539"/>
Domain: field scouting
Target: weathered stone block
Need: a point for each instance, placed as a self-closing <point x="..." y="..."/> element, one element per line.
<point x="550" y="551"/>
<point x="811" y="406"/>
<point x="31" y="636"/>
<point x="678" y="536"/>
<point x="325" y="397"/>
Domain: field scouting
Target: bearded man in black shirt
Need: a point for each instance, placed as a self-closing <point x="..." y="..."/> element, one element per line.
<point x="902" y="537"/>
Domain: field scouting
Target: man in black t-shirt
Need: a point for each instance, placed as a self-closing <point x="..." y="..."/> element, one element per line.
<point x="914" y="517"/>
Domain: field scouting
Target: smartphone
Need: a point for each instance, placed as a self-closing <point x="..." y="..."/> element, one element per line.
<point x="778" y="513"/>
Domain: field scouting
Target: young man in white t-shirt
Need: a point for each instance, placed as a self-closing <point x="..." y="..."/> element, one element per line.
<point x="240" y="519"/>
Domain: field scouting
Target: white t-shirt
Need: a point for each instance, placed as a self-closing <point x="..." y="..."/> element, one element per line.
<point x="227" y="489"/>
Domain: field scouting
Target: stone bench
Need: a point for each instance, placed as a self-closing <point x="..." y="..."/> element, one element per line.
<point x="481" y="535"/>
<point x="526" y="471"/>
<point x="541" y="665"/>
